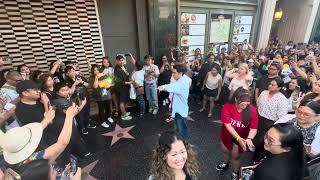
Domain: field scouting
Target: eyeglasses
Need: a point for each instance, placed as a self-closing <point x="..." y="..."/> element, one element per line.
<point x="304" y="113"/>
<point x="269" y="141"/>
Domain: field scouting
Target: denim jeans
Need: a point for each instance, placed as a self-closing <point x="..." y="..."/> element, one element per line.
<point x="181" y="127"/>
<point x="140" y="104"/>
<point x="152" y="96"/>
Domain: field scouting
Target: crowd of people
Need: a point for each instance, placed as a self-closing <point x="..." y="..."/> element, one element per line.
<point x="270" y="101"/>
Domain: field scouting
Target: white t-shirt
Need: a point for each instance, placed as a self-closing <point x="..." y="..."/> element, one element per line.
<point x="212" y="81"/>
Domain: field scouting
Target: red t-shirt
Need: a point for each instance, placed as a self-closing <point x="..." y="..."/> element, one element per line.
<point x="230" y="115"/>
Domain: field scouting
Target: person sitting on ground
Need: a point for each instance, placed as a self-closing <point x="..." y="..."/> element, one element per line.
<point x="173" y="159"/>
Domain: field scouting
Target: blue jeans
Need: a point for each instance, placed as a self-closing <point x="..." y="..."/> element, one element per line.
<point x="141" y="104"/>
<point x="180" y="124"/>
<point x="152" y="95"/>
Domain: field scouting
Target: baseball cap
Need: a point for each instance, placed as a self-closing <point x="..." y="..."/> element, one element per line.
<point x="26" y="85"/>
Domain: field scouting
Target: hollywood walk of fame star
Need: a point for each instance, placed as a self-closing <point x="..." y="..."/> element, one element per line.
<point x="119" y="133"/>
<point x="87" y="169"/>
<point x="188" y="118"/>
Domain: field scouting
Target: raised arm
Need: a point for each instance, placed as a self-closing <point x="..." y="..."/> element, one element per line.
<point x="53" y="151"/>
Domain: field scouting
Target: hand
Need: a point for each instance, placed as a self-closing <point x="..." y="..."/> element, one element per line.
<point x="130" y="55"/>
<point x="3" y="99"/>
<point x="307" y="148"/>
<point x="78" y="81"/>
<point x="84" y="102"/>
<point x="44" y="98"/>
<point x="99" y="75"/>
<point x="313" y="77"/>
<point x="72" y="110"/>
<point x="243" y="144"/>
<point x="294" y="64"/>
<point x="49" y="115"/>
<point x="250" y="144"/>
<point x="160" y="88"/>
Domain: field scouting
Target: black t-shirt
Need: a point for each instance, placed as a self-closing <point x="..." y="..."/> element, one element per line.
<point x="263" y="83"/>
<point x="27" y="113"/>
<point x="275" y="167"/>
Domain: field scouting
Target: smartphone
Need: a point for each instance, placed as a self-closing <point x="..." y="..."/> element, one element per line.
<point x="8" y="106"/>
<point x="11" y="175"/>
<point x="246" y="173"/>
<point x="73" y="164"/>
<point x="126" y="54"/>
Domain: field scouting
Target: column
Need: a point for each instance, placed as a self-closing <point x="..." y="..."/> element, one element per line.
<point x="266" y="19"/>
<point x="315" y="7"/>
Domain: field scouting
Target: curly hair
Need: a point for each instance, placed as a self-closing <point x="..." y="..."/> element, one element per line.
<point x="160" y="169"/>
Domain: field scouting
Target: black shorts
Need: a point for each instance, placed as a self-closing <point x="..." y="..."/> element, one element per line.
<point x="209" y="92"/>
<point x="122" y="94"/>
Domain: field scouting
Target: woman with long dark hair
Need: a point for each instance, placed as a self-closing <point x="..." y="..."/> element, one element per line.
<point x="240" y="123"/>
<point x="173" y="159"/>
<point x="107" y="69"/>
<point x="164" y="78"/>
<point x="102" y="94"/>
<point x="285" y="159"/>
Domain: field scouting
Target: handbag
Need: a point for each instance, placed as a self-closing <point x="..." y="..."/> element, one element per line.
<point x="132" y="92"/>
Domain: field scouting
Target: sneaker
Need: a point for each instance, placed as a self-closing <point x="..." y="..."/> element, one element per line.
<point x="235" y="176"/>
<point x="105" y="125"/>
<point x="110" y="120"/>
<point x="223" y="166"/>
<point x="84" y="131"/>
<point x="155" y="112"/>
<point x="150" y="110"/>
<point x="167" y="101"/>
<point x="91" y="126"/>
<point x="164" y="103"/>
<point x="126" y="118"/>
<point x="127" y="113"/>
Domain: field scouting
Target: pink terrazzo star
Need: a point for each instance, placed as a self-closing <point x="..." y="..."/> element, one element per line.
<point x="87" y="169"/>
<point x="188" y="118"/>
<point x="119" y="133"/>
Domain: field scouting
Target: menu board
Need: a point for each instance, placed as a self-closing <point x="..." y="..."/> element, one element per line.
<point x="242" y="28"/>
<point x="192" y="32"/>
<point x="220" y="28"/>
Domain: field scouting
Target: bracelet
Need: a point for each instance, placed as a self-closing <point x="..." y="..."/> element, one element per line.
<point x="238" y="138"/>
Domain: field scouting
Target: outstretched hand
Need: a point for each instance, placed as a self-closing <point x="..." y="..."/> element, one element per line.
<point x="160" y="88"/>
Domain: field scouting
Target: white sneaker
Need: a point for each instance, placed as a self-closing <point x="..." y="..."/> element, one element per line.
<point x="126" y="118"/>
<point x="167" y="101"/>
<point x="164" y="103"/>
<point x="127" y="113"/>
<point x="150" y="110"/>
<point x="155" y="112"/>
<point x="110" y="120"/>
<point x="105" y="125"/>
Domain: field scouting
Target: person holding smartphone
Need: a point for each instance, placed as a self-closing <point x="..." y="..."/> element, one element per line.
<point x="240" y="123"/>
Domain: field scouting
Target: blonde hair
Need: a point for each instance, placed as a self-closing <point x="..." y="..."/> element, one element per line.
<point x="244" y="65"/>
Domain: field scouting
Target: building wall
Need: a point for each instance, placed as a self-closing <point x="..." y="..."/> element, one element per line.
<point x="296" y="15"/>
<point x="38" y="32"/>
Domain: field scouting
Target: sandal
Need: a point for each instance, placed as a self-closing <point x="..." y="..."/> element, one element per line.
<point x="209" y="115"/>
